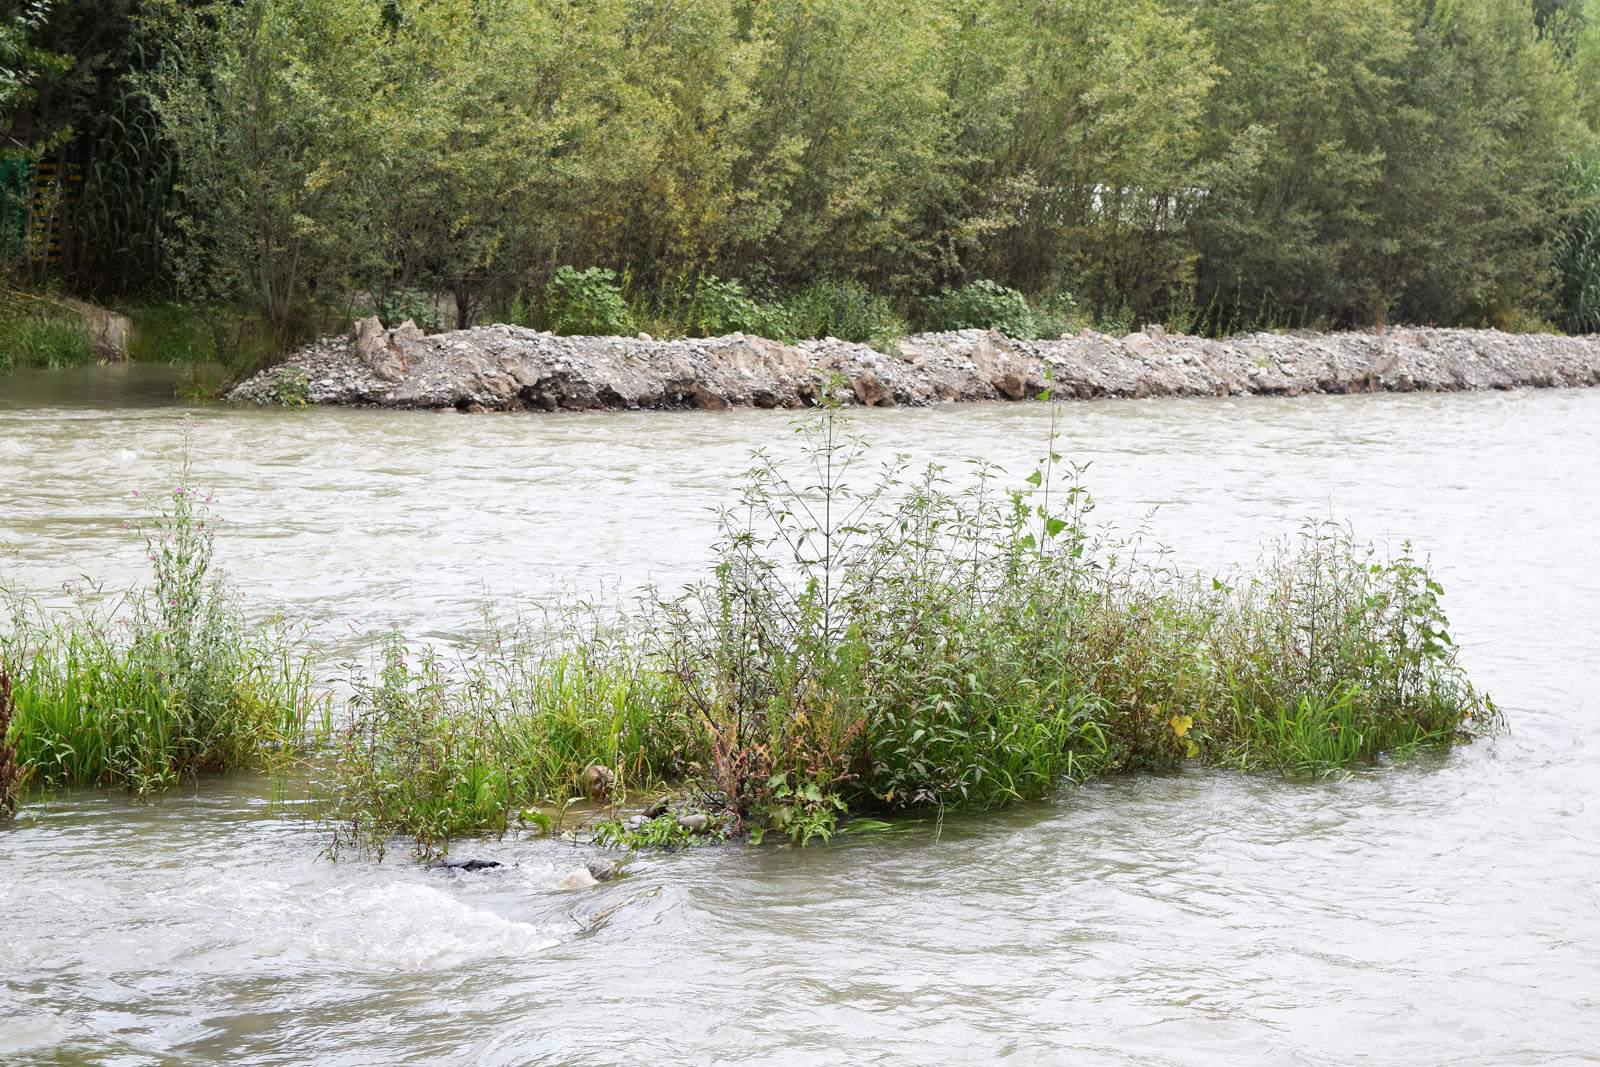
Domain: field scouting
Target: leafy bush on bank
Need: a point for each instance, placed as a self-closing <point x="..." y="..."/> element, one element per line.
<point x="587" y="302"/>
<point x="982" y="305"/>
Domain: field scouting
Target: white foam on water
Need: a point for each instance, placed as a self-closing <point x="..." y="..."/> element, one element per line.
<point x="392" y="925"/>
<point x="404" y="926"/>
<point x="34" y="1030"/>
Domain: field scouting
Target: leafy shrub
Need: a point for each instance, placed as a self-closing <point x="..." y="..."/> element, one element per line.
<point x="982" y="305"/>
<point x="587" y="302"/>
<point x="719" y="307"/>
<point x="905" y="644"/>
<point x="291" y="388"/>
<point x="1056" y="314"/>
<point x="844" y="309"/>
<point x="398" y="305"/>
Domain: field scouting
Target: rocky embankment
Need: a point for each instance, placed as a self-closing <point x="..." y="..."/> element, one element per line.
<point x="492" y="368"/>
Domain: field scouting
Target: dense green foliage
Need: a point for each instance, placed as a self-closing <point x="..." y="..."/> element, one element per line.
<point x="905" y="644"/>
<point x="983" y="305"/>
<point x="1214" y="165"/>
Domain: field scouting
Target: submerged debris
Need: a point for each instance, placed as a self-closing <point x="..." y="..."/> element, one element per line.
<point x="593" y="919"/>
<point x="463" y="865"/>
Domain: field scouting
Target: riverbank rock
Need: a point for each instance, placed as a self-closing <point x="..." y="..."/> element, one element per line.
<point x="108" y="330"/>
<point x="578" y="879"/>
<point x="510" y="368"/>
<point x="593" y="872"/>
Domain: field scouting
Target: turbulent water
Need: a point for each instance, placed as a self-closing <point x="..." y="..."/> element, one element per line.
<point x="1442" y="912"/>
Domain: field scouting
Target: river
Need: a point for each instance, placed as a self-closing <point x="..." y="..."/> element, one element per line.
<point x="1445" y="911"/>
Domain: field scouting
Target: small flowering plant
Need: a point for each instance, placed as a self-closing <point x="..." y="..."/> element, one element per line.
<point x="187" y="624"/>
<point x="179" y="547"/>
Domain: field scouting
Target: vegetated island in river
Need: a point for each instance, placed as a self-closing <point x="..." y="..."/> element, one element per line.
<point x="499" y="368"/>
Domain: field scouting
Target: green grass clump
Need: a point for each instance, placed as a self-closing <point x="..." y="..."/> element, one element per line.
<point x="171" y="333"/>
<point x="430" y="754"/>
<point x="877" y="642"/>
<point x="36" y="332"/>
<point x="170" y="683"/>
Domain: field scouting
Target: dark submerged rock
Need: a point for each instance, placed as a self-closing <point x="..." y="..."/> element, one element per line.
<point x="463" y="865"/>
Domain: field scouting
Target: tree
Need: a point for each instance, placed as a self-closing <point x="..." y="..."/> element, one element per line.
<point x="269" y="106"/>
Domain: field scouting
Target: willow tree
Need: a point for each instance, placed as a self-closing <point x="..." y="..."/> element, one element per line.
<point x="1294" y="153"/>
<point x="1474" y="153"/>
<point x="491" y="122"/>
<point x="270" y="107"/>
<point x="1091" y="140"/>
<point x="850" y="141"/>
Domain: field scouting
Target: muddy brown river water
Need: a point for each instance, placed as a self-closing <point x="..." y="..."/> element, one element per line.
<point x="1445" y="911"/>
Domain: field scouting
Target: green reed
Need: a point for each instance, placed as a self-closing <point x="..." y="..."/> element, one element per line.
<point x="35" y="331"/>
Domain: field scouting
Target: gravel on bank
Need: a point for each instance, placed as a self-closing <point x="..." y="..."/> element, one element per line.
<point x="499" y="368"/>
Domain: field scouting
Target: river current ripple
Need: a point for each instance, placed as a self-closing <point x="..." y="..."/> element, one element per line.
<point x="1445" y="911"/>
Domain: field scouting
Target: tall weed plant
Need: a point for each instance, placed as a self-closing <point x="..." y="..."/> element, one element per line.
<point x="895" y="642"/>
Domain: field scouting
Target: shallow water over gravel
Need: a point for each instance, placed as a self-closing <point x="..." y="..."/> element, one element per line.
<point x="1446" y="911"/>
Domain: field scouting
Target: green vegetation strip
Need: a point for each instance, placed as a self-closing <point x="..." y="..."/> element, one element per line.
<point x="167" y="683"/>
<point x="866" y="643"/>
